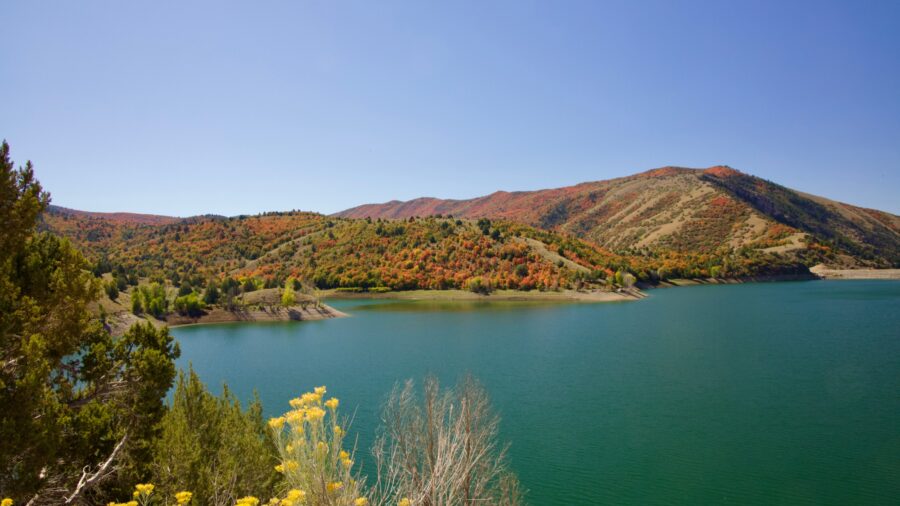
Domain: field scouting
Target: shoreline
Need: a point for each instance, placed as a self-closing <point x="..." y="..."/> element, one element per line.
<point x="824" y="272"/>
<point x="676" y="282"/>
<point x="266" y="314"/>
<point x="498" y="295"/>
<point x="119" y="323"/>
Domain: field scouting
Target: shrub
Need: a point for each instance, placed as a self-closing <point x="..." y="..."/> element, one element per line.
<point x="112" y="290"/>
<point x="189" y="304"/>
<point x="212" y="447"/>
<point x="287" y="296"/>
<point x="211" y="295"/>
<point x="309" y="439"/>
<point x="442" y="449"/>
<point x="479" y="285"/>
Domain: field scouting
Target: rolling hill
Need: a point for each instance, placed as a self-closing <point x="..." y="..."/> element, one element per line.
<point x="686" y="211"/>
<point x="415" y="253"/>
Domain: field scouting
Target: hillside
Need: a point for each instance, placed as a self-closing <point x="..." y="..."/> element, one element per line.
<point x="686" y="211"/>
<point x="122" y="218"/>
<point x="424" y="253"/>
<point x="330" y="252"/>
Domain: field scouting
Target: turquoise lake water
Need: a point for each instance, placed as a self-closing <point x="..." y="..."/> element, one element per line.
<point x="781" y="393"/>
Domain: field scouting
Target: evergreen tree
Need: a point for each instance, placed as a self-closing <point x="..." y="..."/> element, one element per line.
<point x="212" y="447"/>
<point x="79" y="407"/>
<point x="211" y="296"/>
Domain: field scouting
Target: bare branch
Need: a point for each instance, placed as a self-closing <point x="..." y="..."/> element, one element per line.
<point x="88" y="480"/>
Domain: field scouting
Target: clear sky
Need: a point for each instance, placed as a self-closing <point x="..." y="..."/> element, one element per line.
<point x="194" y="107"/>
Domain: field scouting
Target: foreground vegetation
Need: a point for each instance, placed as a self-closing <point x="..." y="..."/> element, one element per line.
<point x="83" y="416"/>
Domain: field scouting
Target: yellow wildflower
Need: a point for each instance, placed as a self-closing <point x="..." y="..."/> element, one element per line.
<point x="247" y="501"/>
<point x="289" y="448"/>
<point x="315" y="413"/>
<point x="322" y="447"/>
<point x="360" y="501"/>
<point x="183" y="497"/>
<point x="276" y="423"/>
<point x="279" y="468"/>
<point x="347" y="463"/>
<point x="296" y="403"/>
<point x="404" y="502"/>
<point x="344" y="455"/>
<point x="296" y="494"/>
<point x="144" y="488"/>
<point x="6" y="502"/>
<point x="294" y="417"/>
<point x="320" y="391"/>
<point x="131" y="503"/>
<point x="335" y="485"/>
<point x="135" y="494"/>
<point x="286" y="502"/>
<point x="310" y="398"/>
<point x="332" y="403"/>
<point x="338" y="430"/>
<point x="291" y="465"/>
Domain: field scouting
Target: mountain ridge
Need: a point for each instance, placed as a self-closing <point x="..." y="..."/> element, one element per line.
<point x="682" y="209"/>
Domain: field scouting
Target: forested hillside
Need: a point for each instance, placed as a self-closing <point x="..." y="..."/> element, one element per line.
<point x="416" y="253"/>
<point x="683" y="210"/>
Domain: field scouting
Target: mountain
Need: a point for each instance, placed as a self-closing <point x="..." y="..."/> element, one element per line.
<point x="124" y="218"/>
<point x="415" y="253"/>
<point x="683" y="210"/>
<point x="332" y="252"/>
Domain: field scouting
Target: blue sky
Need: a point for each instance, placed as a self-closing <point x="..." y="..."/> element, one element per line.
<point x="195" y="107"/>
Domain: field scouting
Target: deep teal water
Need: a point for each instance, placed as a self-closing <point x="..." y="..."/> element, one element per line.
<point x="785" y="393"/>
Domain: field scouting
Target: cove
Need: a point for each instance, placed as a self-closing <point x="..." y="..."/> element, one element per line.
<point x="747" y="394"/>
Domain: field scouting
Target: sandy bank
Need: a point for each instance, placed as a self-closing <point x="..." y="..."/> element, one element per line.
<point x="730" y="281"/>
<point x="119" y="323"/>
<point x="262" y="314"/>
<point x="499" y="295"/>
<point x="826" y="273"/>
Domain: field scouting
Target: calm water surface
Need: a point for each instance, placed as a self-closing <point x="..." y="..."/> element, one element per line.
<point x="784" y="393"/>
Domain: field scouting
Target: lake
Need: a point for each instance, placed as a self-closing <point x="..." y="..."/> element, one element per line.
<point x="779" y="393"/>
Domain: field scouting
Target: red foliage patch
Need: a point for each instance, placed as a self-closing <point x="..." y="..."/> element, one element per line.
<point x="722" y="171"/>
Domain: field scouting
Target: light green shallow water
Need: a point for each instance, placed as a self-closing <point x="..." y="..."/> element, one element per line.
<point x="784" y="393"/>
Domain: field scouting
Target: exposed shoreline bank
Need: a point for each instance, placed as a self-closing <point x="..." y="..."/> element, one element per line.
<point x="498" y="295"/>
<point x="263" y="314"/>
<point x="825" y="273"/>
<point x="119" y="323"/>
<point x="672" y="283"/>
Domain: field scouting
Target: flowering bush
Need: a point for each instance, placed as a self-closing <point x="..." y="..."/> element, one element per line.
<point x="314" y="463"/>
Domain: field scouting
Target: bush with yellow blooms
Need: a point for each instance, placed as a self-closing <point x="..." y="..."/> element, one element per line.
<point x="309" y="439"/>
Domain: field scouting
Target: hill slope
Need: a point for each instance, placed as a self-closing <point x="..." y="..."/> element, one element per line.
<point x="424" y="253"/>
<point x="683" y="210"/>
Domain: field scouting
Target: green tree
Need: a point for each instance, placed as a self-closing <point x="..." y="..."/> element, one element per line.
<point x="211" y="295"/>
<point x="287" y="297"/>
<point x="189" y="304"/>
<point x="150" y="299"/>
<point x="112" y="290"/>
<point x="185" y="289"/>
<point x="212" y="447"/>
<point x="78" y="406"/>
